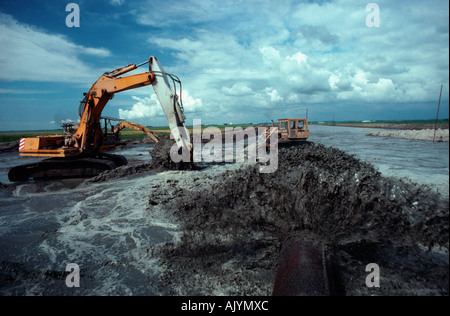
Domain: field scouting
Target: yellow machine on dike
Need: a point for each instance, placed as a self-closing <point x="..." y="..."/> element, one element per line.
<point x="292" y="130"/>
<point x="289" y="132"/>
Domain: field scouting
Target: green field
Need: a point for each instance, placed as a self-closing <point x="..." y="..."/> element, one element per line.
<point x="14" y="136"/>
<point x="125" y="133"/>
<point x="164" y="130"/>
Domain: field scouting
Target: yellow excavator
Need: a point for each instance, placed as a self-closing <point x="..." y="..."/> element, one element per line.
<point x="84" y="151"/>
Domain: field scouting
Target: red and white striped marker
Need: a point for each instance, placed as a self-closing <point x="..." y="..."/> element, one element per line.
<point x="22" y="144"/>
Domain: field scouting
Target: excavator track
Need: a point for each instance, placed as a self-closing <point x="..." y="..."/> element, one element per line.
<point x="60" y="168"/>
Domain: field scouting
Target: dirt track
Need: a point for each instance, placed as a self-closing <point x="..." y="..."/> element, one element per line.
<point x="234" y="224"/>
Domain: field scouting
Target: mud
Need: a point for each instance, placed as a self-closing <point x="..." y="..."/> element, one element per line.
<point x="234" y="225"/>
<point x="233" y="222"/>
<point x="159" y="160"/>
<point x="9" y="146"/>
<point x="440" y="135"/>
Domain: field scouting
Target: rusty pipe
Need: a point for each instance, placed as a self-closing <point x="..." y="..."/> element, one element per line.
<point x="302" y="269"/>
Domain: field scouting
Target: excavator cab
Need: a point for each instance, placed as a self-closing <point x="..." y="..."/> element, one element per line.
<point x="110" y="138"/>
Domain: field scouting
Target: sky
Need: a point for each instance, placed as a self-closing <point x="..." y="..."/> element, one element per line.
<point x="239" y="61"/>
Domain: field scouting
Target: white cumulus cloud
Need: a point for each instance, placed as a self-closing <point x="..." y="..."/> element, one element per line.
<point x="146" y="107"/>
<point x="150" y="107"/>
<point x="29" y="53"/>
<point x="307" y="53"/>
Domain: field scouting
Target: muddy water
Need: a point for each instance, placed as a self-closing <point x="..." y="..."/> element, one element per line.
<point x="218" y="231"/>
<point x="103" y="228"/>
<point x="422" y="162"/>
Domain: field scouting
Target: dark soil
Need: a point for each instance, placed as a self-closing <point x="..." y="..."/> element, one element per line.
<point x="9" y="146"/>
<point x="234" y="225"/>
<point x="160" y="161"/>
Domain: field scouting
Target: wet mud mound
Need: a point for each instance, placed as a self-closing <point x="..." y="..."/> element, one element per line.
<point x="9" y="146"/>
<point x="159" y="160"/>
<point x="234" y="225"/>
<point x="161" y="154"/>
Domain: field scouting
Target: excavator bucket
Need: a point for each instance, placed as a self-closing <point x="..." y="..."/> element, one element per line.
<point x="169" y="102"/>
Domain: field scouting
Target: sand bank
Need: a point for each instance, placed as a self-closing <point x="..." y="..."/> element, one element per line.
<point x="425" y="134"/>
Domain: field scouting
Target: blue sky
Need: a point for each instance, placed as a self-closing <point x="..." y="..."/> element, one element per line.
<point x="239" y="61"/>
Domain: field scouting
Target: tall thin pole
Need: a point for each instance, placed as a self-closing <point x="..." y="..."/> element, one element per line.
<point x="437" y="115"/>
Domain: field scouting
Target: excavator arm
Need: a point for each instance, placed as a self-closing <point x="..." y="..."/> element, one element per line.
<point x="137" y="127"/>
